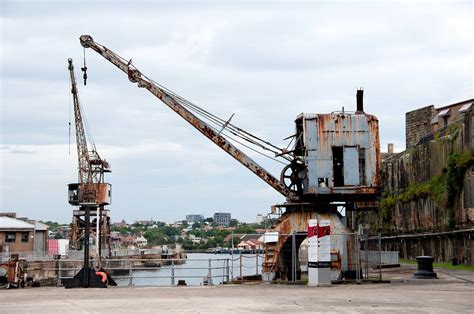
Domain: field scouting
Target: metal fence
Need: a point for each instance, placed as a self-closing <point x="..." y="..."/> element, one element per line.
<point x="29" y="256"/>
<point x="353" y="257"/>
<point x="165" y="272"/>
<point x="374" y="258"/>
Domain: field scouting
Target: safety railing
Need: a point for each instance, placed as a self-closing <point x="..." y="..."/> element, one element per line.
<point x="165" y="272"/>
<point x="353" y="256"/>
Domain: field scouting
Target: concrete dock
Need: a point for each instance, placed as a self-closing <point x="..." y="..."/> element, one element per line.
<point x="447" y="294"/>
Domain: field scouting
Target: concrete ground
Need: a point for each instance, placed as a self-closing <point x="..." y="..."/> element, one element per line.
<point x="403" y="294"/>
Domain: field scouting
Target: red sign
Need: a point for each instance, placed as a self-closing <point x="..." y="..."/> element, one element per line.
<point x="323" y="231"/>
<point x="319" y="231"/>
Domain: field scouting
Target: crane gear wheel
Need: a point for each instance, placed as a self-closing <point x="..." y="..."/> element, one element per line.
<point x="292" y="176"/>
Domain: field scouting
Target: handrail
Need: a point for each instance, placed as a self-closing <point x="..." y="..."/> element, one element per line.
<point x="129" y="270"/>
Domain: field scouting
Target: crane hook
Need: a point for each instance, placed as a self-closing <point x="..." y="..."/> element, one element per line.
<point x="84" y="69"/>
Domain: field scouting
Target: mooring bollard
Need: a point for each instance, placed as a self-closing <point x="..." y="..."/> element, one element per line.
<point x="425" y="267"/>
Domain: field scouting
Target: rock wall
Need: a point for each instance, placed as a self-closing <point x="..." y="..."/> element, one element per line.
<point x="427" y="207"/>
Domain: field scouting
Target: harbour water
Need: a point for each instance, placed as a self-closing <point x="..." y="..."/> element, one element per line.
<point x="196" y="270"/>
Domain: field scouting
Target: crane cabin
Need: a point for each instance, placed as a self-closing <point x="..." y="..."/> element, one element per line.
<point x="340" y="152"/>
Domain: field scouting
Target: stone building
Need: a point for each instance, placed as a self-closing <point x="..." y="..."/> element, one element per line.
<point x="424" y="121"/>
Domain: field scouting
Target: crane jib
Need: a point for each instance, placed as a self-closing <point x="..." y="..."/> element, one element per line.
<point x="135" y="76"/>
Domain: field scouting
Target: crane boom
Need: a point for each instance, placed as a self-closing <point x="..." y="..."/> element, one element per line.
<point x="91" y="167"/>
<point x="135" y="76"/>
<point x="84" y="165"/>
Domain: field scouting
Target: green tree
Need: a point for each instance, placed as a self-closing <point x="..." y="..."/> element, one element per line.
<point x="188" y="245"/>
<point x="233" y="223"/>
<point x="245" y="228"/>
<point x="155" y="237"/>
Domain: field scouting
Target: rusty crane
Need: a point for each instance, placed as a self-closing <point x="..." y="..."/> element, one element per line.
<point x="334" y="163"/>
<point x="91" y="193"/>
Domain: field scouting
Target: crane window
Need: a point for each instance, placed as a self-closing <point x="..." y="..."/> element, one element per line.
<point x="338" y="165"/>
<point x="362" y="178"/>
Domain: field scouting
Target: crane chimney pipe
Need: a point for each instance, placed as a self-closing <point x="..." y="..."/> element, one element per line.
<point x="360" y="101"/>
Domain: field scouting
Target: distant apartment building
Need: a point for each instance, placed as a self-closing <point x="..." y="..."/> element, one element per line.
<point x="422" y="122"/>
<point x="194" y="218"/>
<point x="259" y="218"/>
<point x="222" y="219"/>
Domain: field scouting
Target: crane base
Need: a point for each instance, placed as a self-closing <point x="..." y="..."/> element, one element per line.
<point x="95" y="281"/>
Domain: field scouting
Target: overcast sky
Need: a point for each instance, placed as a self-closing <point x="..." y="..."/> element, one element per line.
<point x="266" y="62"/>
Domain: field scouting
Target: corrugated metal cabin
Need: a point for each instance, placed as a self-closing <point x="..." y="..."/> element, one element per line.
<point x="341" y="153"/>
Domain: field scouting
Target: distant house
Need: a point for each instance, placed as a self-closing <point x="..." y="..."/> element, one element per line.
<point x="116" y="237"/>
<point x="140" y="241"/>
<point x="250" y="245"/>
<point x="127" y="240"/>
<point x="122" y="224"/>
<point x="196" y="240"/>
<point x="18" y="235"/>
<point x="247" y="241"/>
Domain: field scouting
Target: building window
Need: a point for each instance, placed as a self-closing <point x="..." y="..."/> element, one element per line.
<point x="24" y="236"/>
<point x="10" y="237"/>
